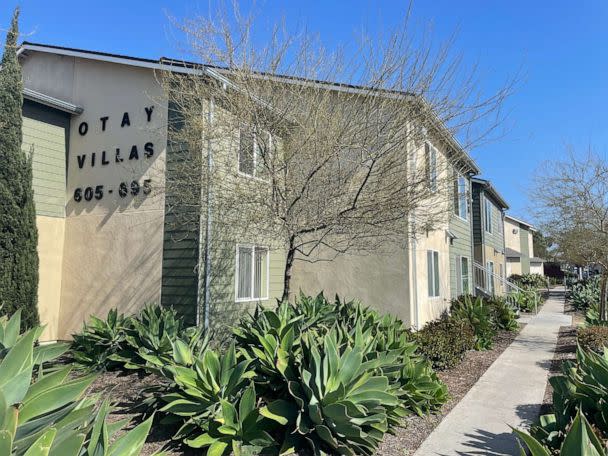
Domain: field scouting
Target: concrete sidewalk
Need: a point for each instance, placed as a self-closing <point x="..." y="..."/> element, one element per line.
<point x="510" y="392"/>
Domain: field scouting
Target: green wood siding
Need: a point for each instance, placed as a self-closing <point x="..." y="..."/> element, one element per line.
<point x="45" y="133"/>
<point x="461" y="246"/>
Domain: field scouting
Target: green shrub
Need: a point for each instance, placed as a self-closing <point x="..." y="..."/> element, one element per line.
<point x="533" y="281"/>
<point x="593" y="338"/>
<point x="527" y="300"/>
<point x="503" y="316"/>
<point x="100" y="339"/>
<point x="145" y="341"/>
<point x="582" y="386"/>
<point x="47" y="413"/>
<point x="478" y="314"/>
<point x="585" y="294"/>
<point x="580" y="439"/>
<point x="445" y="341"/>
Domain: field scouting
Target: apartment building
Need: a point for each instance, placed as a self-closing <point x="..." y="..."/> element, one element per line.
<point x="519" y="243"/>
<point x="108" y="236"/>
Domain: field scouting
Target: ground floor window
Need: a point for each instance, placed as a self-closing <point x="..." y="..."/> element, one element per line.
<point x="490" y="268"/>
<point x="252" y="265"/>
<point x="432" y="260"/>
<point x="464" y="275"/>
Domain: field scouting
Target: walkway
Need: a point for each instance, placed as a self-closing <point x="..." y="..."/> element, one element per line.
<point x="509" y="393"/>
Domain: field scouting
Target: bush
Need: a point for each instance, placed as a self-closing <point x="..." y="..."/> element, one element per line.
<point x="478" y="314"/>
<point x="503" y="316"/>
<point x="593" y="338"/>
<point x="582" y="387"/>
<point x="48" y="409"/>
<point x="585" y="294"/>
<point x="444" y="342"/>
<point x="325" y="377"/>
<point x="145" y="341"/>
<point x="527" y="300"/>
<point x="533" y="281"/>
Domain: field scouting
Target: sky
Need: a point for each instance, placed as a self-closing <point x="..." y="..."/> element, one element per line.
<point x="557" y="50"/>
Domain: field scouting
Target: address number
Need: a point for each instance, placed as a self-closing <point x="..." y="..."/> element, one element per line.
<point x="124" y="189"/>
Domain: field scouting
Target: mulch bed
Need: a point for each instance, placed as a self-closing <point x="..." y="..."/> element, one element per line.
<point x="459" y="381"/>
<point x="125" y="390"/>
<point x="564" y="350"/>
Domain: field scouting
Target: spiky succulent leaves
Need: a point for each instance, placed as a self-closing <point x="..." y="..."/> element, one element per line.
<point x="271" y="341"/>
<point x="339" y="405"/>
<point x="236" y="428"/>
<point x="99" y="340"/>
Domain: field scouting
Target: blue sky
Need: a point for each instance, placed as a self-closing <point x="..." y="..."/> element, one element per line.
<point x="559" y="49"/>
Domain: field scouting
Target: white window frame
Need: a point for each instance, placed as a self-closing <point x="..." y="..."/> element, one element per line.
<point x="436" y="293"/>
<point x="253" y="247"/>
<point x="255" y="156"/>
<point x="501" y="226"/>
<point x="488" y="211"/>
<point x="490" y="273"/>
<point x="461" y="276"/>
<point x="461" y="199"/>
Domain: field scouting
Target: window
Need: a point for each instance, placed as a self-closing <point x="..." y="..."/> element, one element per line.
<point x="253" y="151"/>
<point x="501" y="226"/>
<point x="251" y="273"/>
<point x="464" y="275"/>
<point x="490" y="268"/>
<point x="430" y="158"/>
<point x="460" y="197"/>
<point x="488" y="215"/>
<point x="432" y="260"/>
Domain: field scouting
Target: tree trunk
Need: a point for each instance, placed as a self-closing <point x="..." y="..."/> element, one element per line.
<point x="288" y="265"/>
<point x="602" y="304"/>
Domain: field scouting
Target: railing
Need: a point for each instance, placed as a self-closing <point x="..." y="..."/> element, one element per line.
<point x="489" y="283"/>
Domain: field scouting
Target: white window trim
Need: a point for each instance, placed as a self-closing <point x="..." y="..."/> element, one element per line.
<point x="438" y="291"/>
<point x="490" y="273"/>
<point x="488" y="206"/>
<point x="253" y="247"/>
<point x="255" y="158"/>
<point x="461" y="276"/>
<point x="466" y="199"/>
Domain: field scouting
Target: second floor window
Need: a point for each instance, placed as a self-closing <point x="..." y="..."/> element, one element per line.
<point x="253" y="151"/>
<point x="488" y="215"/>
<point x="460" y="197"/>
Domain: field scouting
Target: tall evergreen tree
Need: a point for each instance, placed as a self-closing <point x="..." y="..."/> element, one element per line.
<point x="18" y="233"/>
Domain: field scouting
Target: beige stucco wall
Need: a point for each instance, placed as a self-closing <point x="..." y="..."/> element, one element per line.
<point x="511" y="238"/>
<point x="513" y="267"/>
<point x="430" y="308"/>
<point x="51" y="232"/>
<point x="537" y="268"/>
<point x="113" y="246"/>
<point x="379" y="281"/>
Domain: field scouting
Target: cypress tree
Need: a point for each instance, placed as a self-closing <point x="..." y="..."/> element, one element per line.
<point x="18" y="233"/>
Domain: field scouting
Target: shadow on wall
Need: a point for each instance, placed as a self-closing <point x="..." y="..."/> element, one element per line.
<point x="116" y="264"/>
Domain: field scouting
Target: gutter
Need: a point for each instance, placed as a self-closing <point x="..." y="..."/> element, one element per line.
<point x="52" y="102"/>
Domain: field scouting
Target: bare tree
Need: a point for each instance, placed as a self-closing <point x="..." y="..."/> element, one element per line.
<point x="321" y="153"/>
<point x="571" y="197"/>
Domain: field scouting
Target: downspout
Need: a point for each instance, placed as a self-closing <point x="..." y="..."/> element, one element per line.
<point x="471" y="237"/>
<point x="413" y="252"/>
<point x="208" y="226"/>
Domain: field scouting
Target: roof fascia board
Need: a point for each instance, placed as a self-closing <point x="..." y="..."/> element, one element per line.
<point x="110" y="59"/>
<point x="52" y="102"/>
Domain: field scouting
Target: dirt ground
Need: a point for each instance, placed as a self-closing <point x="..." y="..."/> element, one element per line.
<point x="459" y="380"/>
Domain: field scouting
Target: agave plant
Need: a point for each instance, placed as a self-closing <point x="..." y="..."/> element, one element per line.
<point x="477" y="313"/>
<point x="236" y="428"/>
<point x="151" y="337"/>
<point x="48" y="415"/>
<point x="201" y="396"/>
<point x="270" y="340"/>
<point x="580" y="440"/>
<point x="337" y="405"/>
<point x="100" y="340"/>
